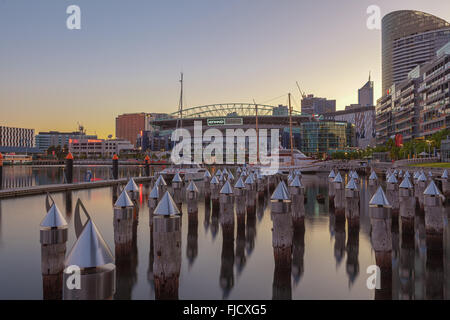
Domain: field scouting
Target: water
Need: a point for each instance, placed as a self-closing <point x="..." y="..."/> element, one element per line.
<point x="27" y="176"/>
<point x="332" y="265"/>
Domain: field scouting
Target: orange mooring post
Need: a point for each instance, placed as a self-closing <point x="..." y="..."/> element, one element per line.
<point x="69" y="168"/>
<point x="115" y="167"/>
<point x="1" y="171"/>
<point x="147" y="166"/>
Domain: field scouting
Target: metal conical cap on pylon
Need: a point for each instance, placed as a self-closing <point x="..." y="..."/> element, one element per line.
<point x="355" y="175"/>
<point x="379" y="199"/>
<point x="166" y="206"/>
<point x="351" y="185"/>
<point x="53" y="218"/>
<point x="407" y="175"/>
<point x="373" y="176"/>
<point x="338" y="178"/>
<point x="131" y="186"/>
<point x="332" y="175"/>
<point x="214" y="180"/>
<point x="123" y="201"/>
<point x="249" y="179"/>
<point x="218" y="172"/>
<point x="445" y="174"/>
<point x="90" y="250"/>
<point x="406" y="184"/>
<point x="392" y="179"/>
<point x="226" y="189"/>
<point x="416" y="175"/>
<point x="192" y="187"/>
<point x="177" y="178"/>
<point x="296" y="182"/>
<point x="422" y="177"/>
<point x="240" y="184"/>
<point x="207" y="174"/>
<point x="432" y="190"/>
<point x="154" y="194"/>
<point x="160" y="181"/>
<point x="281" y="192"/>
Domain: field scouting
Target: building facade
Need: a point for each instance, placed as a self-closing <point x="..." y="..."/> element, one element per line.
<point x="315" y="105"/>
<point x="16" y="137"/>
<point x="435" y="96"/>
<point x="44" y="140"/>
<point x="363" y="119"/>
<point x="409" y="39"/>
<point x="418" y="106"/>
<point x="92" y="148"/>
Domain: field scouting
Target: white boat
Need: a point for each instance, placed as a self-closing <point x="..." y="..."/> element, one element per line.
<point x="188" y="171"/>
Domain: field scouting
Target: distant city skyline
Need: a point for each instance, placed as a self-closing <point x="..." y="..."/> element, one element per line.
<point x="128" y="55"/>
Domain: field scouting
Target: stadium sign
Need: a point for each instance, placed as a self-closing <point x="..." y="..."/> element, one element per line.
<point x="224" y="122"/>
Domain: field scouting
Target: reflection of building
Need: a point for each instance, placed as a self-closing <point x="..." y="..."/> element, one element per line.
<point x="363" y="118"/>
<point x="315" y="105"/>
<point x="409" y="38"/>
<point x="98" y="147"/>
<point x="44" y="140"/>
<point x="419" y="105"/>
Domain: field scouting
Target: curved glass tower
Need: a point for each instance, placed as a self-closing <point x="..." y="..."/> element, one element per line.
<point x="409" y="38"/>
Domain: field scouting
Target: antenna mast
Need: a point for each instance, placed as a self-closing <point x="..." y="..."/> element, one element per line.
<point x="180" y="104"/>
<point x="290" y="130"/>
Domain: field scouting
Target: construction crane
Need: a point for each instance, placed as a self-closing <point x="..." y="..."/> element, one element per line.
<point x="301" y="92"/>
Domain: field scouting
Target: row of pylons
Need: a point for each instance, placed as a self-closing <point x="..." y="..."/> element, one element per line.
<point x="408" y="195"/>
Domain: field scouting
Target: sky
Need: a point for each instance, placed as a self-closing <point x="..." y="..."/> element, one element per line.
<point x="128" y="55"/>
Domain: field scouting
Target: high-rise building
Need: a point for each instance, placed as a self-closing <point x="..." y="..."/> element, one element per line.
<point x="130" y="125"/>
<point x="315" y="105"/>
<point x="365" y="94"/>
<point x="409" y="38"/>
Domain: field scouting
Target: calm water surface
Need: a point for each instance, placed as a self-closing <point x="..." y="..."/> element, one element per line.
<point x="328" y="263"/>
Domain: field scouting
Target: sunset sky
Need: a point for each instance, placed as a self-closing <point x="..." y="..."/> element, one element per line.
<point x="128" y="55"/>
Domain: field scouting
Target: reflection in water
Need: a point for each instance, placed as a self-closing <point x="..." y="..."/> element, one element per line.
<point x="352" y="248"/>
<point x="339" y="241"/>
<point x="192" y="237"/>
<point x="406" y="267"/>
<point x="298" y="251"/>
<point x="227" y="262"/>
<point x="420" y="273"/>
<point x="206" y="219"/>
<point x="434" y="268"/>
<point x="68" y="205"/>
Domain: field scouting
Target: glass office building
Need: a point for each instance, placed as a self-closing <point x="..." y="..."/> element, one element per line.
<point x="327" y="136"/>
